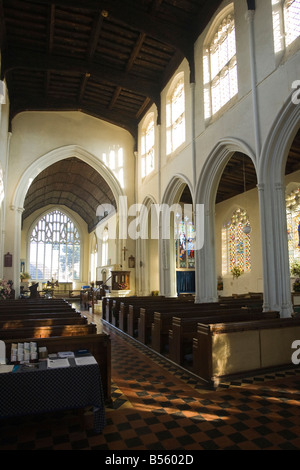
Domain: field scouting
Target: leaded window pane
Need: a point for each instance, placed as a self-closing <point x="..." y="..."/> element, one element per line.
<point x="55" y="248"/>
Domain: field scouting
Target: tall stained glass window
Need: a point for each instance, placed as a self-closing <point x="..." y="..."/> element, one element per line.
<point x="236" y="244"/>
<point x="293" y="225"/>
<point x="185" y="245"/>
<point x="55" y="249"/>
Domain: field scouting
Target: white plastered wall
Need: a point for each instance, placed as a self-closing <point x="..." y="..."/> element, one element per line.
<point x="245" y="122"/>
<point x="39" y="139"/>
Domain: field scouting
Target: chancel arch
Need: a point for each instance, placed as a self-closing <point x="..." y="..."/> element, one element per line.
<point x="64" y="154"/>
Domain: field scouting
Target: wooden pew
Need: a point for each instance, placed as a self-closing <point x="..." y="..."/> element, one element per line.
<point x="99" y="345"/>
<point x="129" y="314"/>
<point x="47" y="331"/>
<point x="146" y="315"/>
<point x="22" y="316"/>
<point x="38" y="322"/>
<point x="133" y="311"/>
<point x="162" y="321"/>
<point x="184" y="330"/>
<point x="116" y="304"/>
<point x="35" y="310"/>
<point x="24" y="303"/>
<point x="231" y="350"/>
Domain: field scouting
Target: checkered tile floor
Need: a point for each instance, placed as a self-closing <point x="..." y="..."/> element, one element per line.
<point x="156" y="406"/>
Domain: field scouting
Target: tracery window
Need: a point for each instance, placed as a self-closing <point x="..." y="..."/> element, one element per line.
<point x="293" y="225"/>
<point x="147" y="146"/>
<point x="55" y="248"/>
<point x="286" y="23"/>
<point x="236" y="244"/>
<point x="175" y="115"/>
<point x="185" y="244"/>
<point x="220" y="67"/>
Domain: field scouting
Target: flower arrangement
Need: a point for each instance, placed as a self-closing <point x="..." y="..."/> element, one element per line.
<point x="24" y="276"/>
<point x="5" y="289"/>
<point x="296" y="285"/>
<point x="236" y="272"/>
<point x="295" y="269"/>
<point x="122" y="286"/>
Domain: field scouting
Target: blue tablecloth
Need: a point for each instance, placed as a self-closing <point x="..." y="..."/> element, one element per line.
<point x="41" y="390"/>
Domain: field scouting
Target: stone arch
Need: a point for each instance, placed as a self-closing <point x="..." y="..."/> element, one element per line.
<point x="54" y="156"/>
<point x="144" y="248"/>
<point x="33" y="170"/>
<point x="167" y="254"/>
<point x="206" y="277"/>
<point x="277" y="291"/>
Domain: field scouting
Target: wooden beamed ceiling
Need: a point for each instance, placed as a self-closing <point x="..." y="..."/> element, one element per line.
<point x="73" y="184"/>
<point x="109" y="59"/>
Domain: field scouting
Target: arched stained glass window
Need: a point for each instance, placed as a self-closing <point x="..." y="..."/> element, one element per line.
<point x="236" y="244"/>
<point x="293" y="225"/>
<point x="185" y="245"/>
<point x="55" y="249"/>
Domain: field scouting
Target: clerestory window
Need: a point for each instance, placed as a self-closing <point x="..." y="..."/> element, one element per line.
<point x="147" y="146"/>
<point x="220" y="67"/>
<point x="175" y="114"/>
<point x="286" y="23"/>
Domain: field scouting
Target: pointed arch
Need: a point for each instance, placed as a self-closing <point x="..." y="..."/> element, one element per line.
<point x="206" y="277"/>
<point x="54" y="156"/>
<point x="167" y="257"/>
<point x="277" y="290"/>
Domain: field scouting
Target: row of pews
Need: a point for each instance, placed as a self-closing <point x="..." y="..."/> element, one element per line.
<point x="54" y="324"/>
<point x="215" y="341"/>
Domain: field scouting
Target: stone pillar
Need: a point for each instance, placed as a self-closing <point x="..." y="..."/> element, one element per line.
<point x="277" y="290"/>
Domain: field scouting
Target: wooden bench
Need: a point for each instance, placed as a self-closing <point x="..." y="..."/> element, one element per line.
<point x="99" y="345"/>
<point x="24" y="303"/>
<point x="24" y="316"/>
<point x="133" y="311"/>
<point x="231" y="350"/>
<point x="47" y="331"/>
<point x="38" y="322"/>
<point x="13" y="310"/>
<point x="184" y="330"/>
<point x="130" y="311"/>
<point x="162" y="321"/>
<point x="113" y="306"/>
<point x="146" y="315"/>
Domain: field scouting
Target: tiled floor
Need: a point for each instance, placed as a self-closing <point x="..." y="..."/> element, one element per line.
<point x="157" y="406"/>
